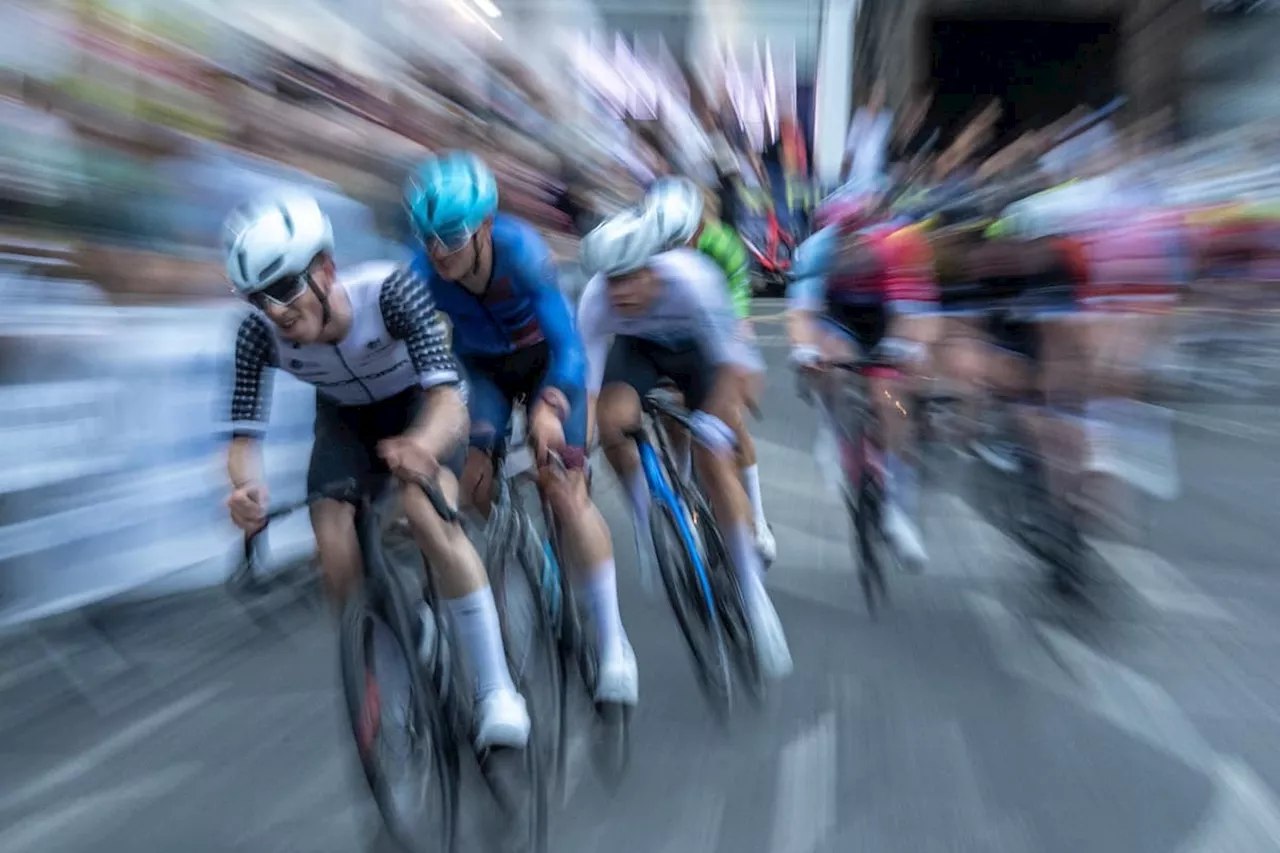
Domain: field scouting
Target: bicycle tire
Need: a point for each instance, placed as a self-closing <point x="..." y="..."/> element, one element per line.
<point x="611" y="736"/>
<point x="866" y="517"/>
<point x="533" y="634"/>
<point x="430" y="737"/>
<point x="730" y="600"/>
<point x="701" y="628"/>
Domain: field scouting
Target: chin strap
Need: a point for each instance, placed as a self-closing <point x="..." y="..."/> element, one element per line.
<point x="326" y="314"/>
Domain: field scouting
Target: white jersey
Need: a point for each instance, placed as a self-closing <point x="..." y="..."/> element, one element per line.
<point x="693" y="307"/>
<point x="396" y="341"/>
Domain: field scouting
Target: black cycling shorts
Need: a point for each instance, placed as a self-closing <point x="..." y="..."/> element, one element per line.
<point x="643" y="364"/>
<point x="866" y="325"/>
<point x="346" y="440"/>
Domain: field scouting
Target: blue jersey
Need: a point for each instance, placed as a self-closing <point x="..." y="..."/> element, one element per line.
<point x="521" y="307"/>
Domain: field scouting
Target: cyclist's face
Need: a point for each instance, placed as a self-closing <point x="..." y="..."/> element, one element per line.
<point x="633" y="293"/>
<point x="453" y="262"/>
<point x="302" y="319"/>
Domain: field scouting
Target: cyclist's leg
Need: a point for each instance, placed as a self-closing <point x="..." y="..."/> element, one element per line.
<point x="489" y="410"/>
<point x="750" y="473"/>
<point x="588" y="547"/>
<point x="629" y="373"/>
<point x="889" y="397"/>
<point x="338" y="453"/>
<point x="501" y="716"/>
<point x="696" y="376"/>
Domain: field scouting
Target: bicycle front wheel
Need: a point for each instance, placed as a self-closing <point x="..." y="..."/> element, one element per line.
<point x="405" y="747"/>
<point x="730" y="600"/>
<point x="533" y="655"/>
<point x="699" y="618"/>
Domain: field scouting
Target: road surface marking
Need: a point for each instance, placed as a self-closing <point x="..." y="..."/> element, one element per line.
<point x="83" y="814"/>
<point x="1158" y="581"/>
<point x="702" y="817"/>
<point x="1223" y="426"/>
<point x="968" y="546"/>
<point x="1243" y="815"/>
<point x="99" y="754"/>
<point x="805" y="810"/>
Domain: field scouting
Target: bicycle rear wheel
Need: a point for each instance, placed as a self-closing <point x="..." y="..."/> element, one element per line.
<point x="405" y="745"/>
<point x="699" y="622"/>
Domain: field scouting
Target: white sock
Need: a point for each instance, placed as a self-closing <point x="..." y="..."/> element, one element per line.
<point x="751" y="480"/>
<point x="480" y="635"/>
<point x="638" y="489"/>
<point x="746" y="560"/>
<point x="602" y="591"/>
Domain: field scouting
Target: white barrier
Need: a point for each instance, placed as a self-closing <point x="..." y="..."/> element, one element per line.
<point x="112" y="472"/>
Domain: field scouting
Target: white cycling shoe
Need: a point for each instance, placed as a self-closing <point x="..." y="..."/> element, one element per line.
<point x="618" y="679"/>
<point x="501" y="720"/>
<point x="766" y="545"/>
<point x="771" y="641"/>
<point x="905" y="537"/>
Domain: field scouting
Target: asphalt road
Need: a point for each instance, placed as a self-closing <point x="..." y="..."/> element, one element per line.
<point x="975" y="715"/>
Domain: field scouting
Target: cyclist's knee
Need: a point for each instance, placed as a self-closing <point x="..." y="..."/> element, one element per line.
<point x="433" y="532"/>
<point x="333" y="523"/>
<point x="477" y="480"/>
<point x="617" y="411"/>
<point x="568" y="494"/>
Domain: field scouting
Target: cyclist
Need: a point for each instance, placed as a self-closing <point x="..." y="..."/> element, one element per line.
<point x="683" y="221"/>
<point x="494" y="277"/>
<point x="670" y="319"/>
<point x="389" y="398"/>
<point x="861" y="287"/>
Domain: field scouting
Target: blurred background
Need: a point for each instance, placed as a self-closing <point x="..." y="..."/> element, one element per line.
<point x="128" y="129"/>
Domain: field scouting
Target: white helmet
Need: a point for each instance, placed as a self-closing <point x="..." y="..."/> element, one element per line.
<point x="621" y="244"/>
<point x="274" y="236"/>
<point x="676" y="205"/>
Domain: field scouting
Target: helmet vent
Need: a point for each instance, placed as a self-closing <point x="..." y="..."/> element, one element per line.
<point x="271" y="268"/>
<point x="288" y="220"/>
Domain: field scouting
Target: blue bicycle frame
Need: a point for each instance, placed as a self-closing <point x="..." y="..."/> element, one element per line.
<point x="660" y="490"/>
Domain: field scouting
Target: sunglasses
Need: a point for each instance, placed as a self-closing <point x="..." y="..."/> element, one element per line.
<point x="448" y="243"/>
<point x="282" y="292"/>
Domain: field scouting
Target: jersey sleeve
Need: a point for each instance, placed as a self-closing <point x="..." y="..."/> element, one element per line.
<point x="251" y="394"/>
<point x="538" y="274"/>
<point x="594" y="332"/>
<point x="722" y="244"/>
<point x="409" y="312"/>
<point x="808" y="288"/>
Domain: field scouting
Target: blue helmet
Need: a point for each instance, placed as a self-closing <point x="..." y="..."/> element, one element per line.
<point x="449" y="197"/>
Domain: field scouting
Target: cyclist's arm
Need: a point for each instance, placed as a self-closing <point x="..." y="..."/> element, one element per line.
<point x="723" y="245"/>
<point x="807" y="292"/>
<point x="567" y="369"/>
<point x="250" y="398"/>
<point x="409" y="312"/>
<point x="595" y="338"/>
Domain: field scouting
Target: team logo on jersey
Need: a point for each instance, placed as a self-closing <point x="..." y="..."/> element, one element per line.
<point x="373" y="344"/>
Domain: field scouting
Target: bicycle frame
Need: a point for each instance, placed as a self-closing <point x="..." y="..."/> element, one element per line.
<point x="859" y="448"/>
<point x="661" y="490"/>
